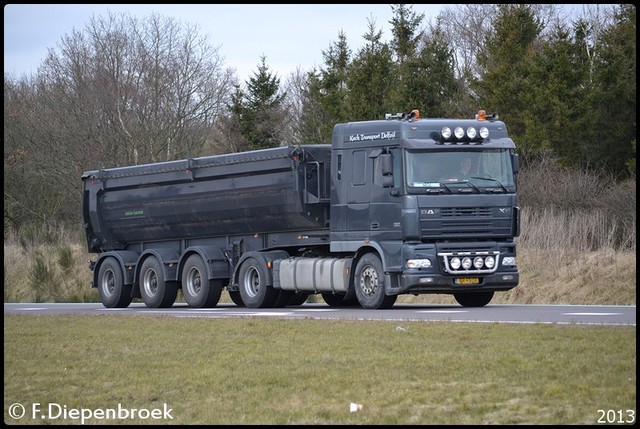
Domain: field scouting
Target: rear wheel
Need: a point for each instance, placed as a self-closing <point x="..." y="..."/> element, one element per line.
<point x="197" y="289"/>
<point x="111" y="288"/>
<point x="254" y="288"/>
<point x="370" y="283"/>
<point x="473" y="299"/>
<point x="156" y="292"/>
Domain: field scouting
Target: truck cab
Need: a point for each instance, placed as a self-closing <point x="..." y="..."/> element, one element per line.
<point x="433" y="199"/>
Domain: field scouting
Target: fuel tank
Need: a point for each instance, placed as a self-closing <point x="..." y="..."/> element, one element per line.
<point x="264" y="191"/>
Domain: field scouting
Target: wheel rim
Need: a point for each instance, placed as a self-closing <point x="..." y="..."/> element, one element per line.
<point x="369" y="281"/>
<point x="194" y="281"/>
<point x="108" y="284"/>
<point x="252" y="282"/>
<point x="150" y="282"/>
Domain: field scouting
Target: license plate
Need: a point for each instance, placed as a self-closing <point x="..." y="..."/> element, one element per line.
<point x="467" y="281"/>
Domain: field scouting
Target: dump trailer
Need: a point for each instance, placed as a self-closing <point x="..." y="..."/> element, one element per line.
<point x="401" y="205"/>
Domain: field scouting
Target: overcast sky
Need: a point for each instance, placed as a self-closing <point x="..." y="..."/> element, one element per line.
<point x="289" y="35"/>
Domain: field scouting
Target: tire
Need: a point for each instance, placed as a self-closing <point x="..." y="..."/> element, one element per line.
<point x="254" y="288"/>
<point x="473" y="299"/>
<point x="111" y="288"/>
<point x="197" y="289"/>
<point x="370" y="283"/>
<point x="236" y="298"/>
<point x="156" y="292"/>
<point x="338" y="300"/>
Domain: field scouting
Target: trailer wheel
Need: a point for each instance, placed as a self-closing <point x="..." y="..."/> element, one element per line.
<point x="197" y="289"/>
<point x="473" y="299"/>
<point x="111" y="288"/>
<point x="254" y="290"/>
<point x="156" y="292"/>
<point x="369" y="283"/>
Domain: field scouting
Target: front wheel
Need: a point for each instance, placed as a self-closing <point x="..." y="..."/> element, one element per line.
<point x="473" y="299"/>
<point x="197" y="289"/>
<point x="370" y="283"/>
<point x="156" y="292"/>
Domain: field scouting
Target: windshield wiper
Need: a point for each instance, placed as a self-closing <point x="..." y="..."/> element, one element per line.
<point x="492" y="180"/>
<point x="458" y="182"/>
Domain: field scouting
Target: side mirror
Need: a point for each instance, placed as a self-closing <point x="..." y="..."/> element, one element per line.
<point x="387" y="164"/>
<point x="387" y="170"/>
<point x="515" y="162"/>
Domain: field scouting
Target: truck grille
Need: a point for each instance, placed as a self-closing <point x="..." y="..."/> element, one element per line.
<point x="466" y="222"/>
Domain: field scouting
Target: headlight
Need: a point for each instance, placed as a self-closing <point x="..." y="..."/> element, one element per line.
<point x="466" y="263"/>
<point x="484" y="132"/>
<point x="478" y="262"/>
<point x="490" y="262"/>
<point x="455" y="263"/>
<point x="446" y="133"/>
<point x="459" y="132"/>
<point x="418" y="263"/>
<point x="509" y="260"/>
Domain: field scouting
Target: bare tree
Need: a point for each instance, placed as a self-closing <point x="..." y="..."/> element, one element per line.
<point x="140" y="91"/>
<point x="121" y="91"/>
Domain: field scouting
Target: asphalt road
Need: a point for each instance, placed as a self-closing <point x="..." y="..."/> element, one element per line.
<point x="492" y="313"/>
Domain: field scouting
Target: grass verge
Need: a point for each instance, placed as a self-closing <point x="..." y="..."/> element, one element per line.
<point x="256" y="371"/>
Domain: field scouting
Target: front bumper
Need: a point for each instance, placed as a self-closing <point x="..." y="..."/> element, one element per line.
<point x="440" y="275"/>
<point x="436" y="283"/>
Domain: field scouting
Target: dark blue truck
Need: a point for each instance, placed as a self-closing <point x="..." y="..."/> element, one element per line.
<point x="404" y="205"/>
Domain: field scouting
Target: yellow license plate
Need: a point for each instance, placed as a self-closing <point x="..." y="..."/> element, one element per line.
<point x="467" y="281"/>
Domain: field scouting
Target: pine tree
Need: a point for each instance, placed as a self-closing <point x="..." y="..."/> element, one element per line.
<point x="259" y="109"/>
<point x="371" y="78"/>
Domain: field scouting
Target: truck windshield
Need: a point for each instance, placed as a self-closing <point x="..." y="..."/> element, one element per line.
<point x="482" y="168"/>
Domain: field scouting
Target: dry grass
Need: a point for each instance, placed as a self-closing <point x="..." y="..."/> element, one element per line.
<point x="548" y="276"/>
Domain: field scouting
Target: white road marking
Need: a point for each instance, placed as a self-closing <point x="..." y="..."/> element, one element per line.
<point x="591" y="314"/>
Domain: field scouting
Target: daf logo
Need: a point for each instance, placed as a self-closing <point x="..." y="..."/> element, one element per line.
<point x="503" y="210"/>
<point x="429" y="211"/>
